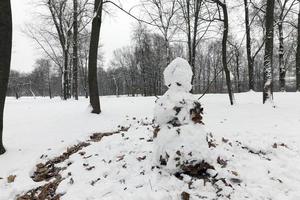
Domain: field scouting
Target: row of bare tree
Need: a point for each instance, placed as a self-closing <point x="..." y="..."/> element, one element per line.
<point x="198" y="20"/>
<point x="193" y="25"/>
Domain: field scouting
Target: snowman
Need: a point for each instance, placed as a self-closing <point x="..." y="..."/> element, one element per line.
<point x="180" y="139"/>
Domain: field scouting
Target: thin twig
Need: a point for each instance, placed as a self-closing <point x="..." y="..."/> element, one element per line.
<point x="210" y="84"/>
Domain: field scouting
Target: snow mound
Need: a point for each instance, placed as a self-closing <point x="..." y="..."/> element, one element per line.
<point x="179" y="73"/>
<point x="178" y="114"/>
<point x="177" y="147"/>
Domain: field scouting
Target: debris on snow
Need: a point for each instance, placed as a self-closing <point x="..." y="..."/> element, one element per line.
<point x="236" y="149"/>
<point x="44" y="192"/>
<point x="11" y="178"/>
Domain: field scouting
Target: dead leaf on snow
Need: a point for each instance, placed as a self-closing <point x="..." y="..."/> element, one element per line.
<point x="276" y="145"/>
<point x="119" y="158"/>
<point x="141" y="158"/>
<point x="222" y="162"/>
<point x="11" y="178"/>
<point x="234" y="173"/>
<point x="71" y="182"/>
<point x="224" y="140"/>
<point x="185" y="196"/>
<point x="236" y="180"/>
<point x="95" y="181"/>
<point x="90" y="168"/>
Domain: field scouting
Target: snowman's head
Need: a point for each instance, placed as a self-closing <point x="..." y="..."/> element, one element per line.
<point x="178" y="75"/>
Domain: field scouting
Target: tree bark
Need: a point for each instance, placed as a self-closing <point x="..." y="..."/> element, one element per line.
<point x="282" y="70"/>
<point x="75" y="49"/>
<point x="248" y="46"/>
<point x="298" y="55"/>
<point x="189" y="37"/>
<point x="5" y="57"/>
<point x="224" y="50"/>
<point x="49" y="80"/>
<point x="237" y="56"/>
<point x="65" y="76"/>
<point x="93" y="54"/>
<point x="194" y="42"/>
<point x="224" y="54"/>
<point x="268" y="58"/>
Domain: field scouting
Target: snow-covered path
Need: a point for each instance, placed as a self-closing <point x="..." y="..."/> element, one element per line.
<point x="37" y="126"/>
<point x="41" y="126"/>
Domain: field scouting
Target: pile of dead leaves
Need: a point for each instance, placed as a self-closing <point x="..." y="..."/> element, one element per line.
<point x="51" y="173"/>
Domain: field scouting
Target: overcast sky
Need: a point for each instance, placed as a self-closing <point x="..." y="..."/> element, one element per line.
<point x="115" y="33"/>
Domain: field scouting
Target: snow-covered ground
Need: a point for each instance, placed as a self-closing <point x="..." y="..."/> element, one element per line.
<point x="261" y="146"/>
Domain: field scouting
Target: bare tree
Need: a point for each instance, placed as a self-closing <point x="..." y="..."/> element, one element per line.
<point x="224" y="49"/>
<point x="186" y="9"/>
<point x="56" y="38"/>
<point x="284" y="9"/>
<point x="93" y="53"/>
<point x="251" y="54"/>
<point x="40" y="77"/>
<point x="197" y="19"/>
<point x="298" y="55"/>
<point x="83" y="59"/>
<point x="75" y="49"/>
<point x="248" y="46"/>
<point x="63" y="26"/>
<point x="5" y="57"/>
<point x="236" y="58"/>
<point x="162" y="15"/>
<point x="268" y="58"/>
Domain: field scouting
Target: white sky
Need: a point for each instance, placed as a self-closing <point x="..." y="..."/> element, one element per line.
<point x="115" y="33"/>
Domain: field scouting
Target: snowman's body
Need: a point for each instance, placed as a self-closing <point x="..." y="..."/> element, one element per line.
<point x="181" y="137"/>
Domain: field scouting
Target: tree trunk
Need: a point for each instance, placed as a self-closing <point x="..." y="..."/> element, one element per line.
<point x="86" y="82"/>
<point x="298" y="55"/>
<point x="5" y="56"/>
<point x="282" y="71"/>
<point x="93" y="54"/>
<point x="215" y="80"/>
<point x="237" y="55"/>
<point x="224" y="53"/>
<point x="63" y="40"/>
<point x="16" y="93"/>
<point x="194" y="42"/>
<point x="49" y="84"/>
<point x="116" y="87"/>
<point x="189" y="30"/>
<point x="75" y="49"/>
<point x="268" y="58"/>
<point x="168" y="50"/>
<point x="248" y="46"/>
<point x="65" y="76"/>
<point x="189" y="37"/>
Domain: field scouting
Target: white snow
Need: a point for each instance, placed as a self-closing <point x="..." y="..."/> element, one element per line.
<point x="179" y="140"/>
<point x="179" y="72"/>
<point x="42" y="126"/>
<point x="164" y="109"/>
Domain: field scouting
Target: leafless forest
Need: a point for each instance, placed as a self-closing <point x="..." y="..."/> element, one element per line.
<point x="197" y="30"/>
